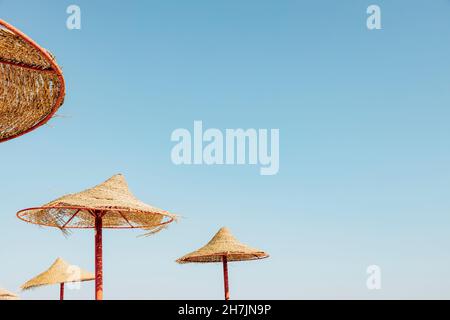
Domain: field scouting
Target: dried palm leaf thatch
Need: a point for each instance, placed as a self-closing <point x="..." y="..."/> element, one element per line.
<point x="6" y="295"/>
<point x="59" y="272"/>
<point x="31" y="84"/>
<point x="223" y="244"/>
<point x="112" y="200"/>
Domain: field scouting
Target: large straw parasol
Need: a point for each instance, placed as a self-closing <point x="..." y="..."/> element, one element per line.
<point x="223" y="247"/>
<point x="32" y="85"/>
<point x="6" y="295"/>
<point x="109" y="205"/>
<point x="60" y="273"/>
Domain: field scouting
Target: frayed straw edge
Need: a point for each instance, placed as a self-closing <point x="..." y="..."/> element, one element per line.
<point x="154" y="230"/>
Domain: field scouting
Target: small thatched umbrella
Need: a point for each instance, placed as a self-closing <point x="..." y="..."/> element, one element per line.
<point x="109" y="205"/>
<point x="6" y="295"/>
<point x="223" y="247"/>
<point x="60" y="273"/>
<point x="31" y="84"/>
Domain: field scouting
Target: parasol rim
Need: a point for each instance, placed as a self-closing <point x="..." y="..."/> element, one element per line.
<point x="20" y="214"/>
<point x="250" y="257"/>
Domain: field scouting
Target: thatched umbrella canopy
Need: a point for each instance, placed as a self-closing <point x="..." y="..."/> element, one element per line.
<point x="6" y="295"/>
<point x="109" y="205"/>
<point x="223" y="247"/>
<point x="60" y="272"/>
<point x="32" y="85"/>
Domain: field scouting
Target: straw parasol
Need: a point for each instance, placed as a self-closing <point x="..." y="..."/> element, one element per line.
<point x="109" y="205"/>
<point x="6" y="295"/>
<point x="32" y="85"/>
<point x="223" y="247"/>
<point x="60" y="273"/>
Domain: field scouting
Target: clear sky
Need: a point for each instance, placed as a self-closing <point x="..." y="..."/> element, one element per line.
<point x="364" y="145"/>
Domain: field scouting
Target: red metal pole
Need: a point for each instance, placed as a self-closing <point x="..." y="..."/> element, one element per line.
<point x="98" y="257"/>
<point x="225" y="277"/>
<point x="61" y="291"/>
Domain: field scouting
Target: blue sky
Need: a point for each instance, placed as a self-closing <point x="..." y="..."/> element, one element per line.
<point x="364" y="145"/>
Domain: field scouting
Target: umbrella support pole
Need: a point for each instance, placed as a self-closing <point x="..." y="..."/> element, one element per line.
<point x="61" y="291"/>
<point x="225" y="277"/>
<point x="98" y="258"/>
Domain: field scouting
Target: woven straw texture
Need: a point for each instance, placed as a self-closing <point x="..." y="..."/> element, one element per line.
<point x="59" y="272"/>
<point x="6" y="295"/>
<point x="223" y="244"/>
<point x="112" y="199"/>
<point x="31" y="84"/>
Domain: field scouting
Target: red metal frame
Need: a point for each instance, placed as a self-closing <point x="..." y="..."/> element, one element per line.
<point x="23" y="212"/>
<point x="55" y="69"/>
<point x="71" y="218"/>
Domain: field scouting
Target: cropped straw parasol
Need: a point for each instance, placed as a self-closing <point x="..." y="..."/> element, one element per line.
<point x="109" y="205"/>
<point x="223" y="247"/>
<point x="60" y="273"/>
<point x="32" y="85"/>
<point x="6" y="295"/>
